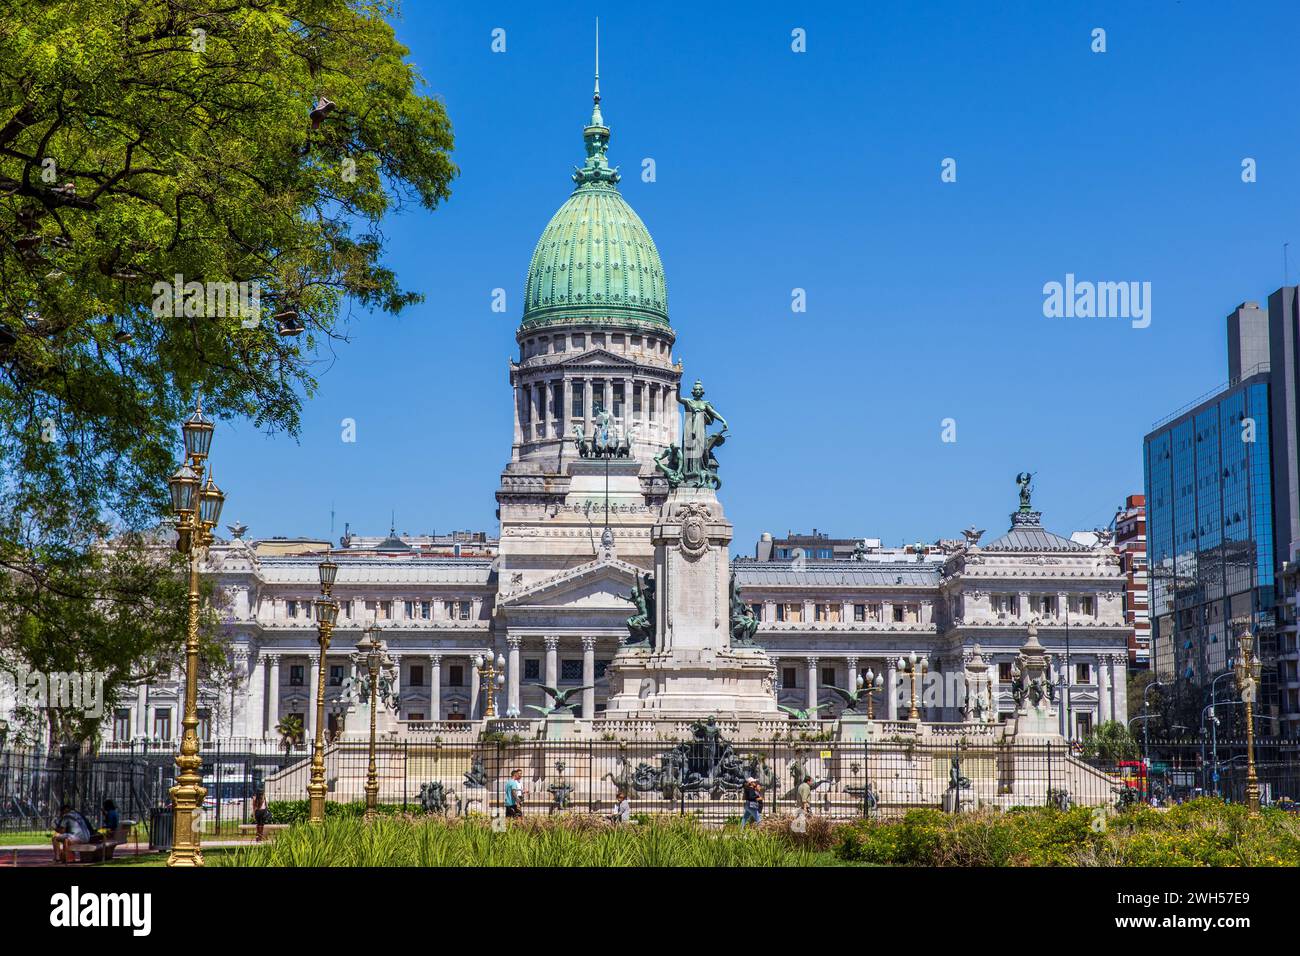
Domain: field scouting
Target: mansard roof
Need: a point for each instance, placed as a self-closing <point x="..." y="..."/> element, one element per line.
<point x="837" y="574"/>
<point x="1028" y="534"/>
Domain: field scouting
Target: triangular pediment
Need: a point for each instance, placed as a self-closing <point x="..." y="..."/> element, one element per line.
<point x="599" y="358"/>
<point x="602" y="583"/>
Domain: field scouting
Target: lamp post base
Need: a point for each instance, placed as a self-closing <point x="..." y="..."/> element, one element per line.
<point x="186" y="849"/>
<point x="316" y="802"/>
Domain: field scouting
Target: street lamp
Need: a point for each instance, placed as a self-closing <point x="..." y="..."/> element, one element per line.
<point x="916" y="666"/>
<point x="871" y="684"/>
<point x="1248" y="673"/>
<point x="493" y="675"/>
<point x="371" y="649"/>
<point x="327" y="613"/>
<point x="196" y="509"/>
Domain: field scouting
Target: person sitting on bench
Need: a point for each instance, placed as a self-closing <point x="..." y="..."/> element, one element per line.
<point x="70" y="830"/>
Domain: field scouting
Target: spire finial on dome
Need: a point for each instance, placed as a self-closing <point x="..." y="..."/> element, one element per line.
<point x="596" y="118"/>
<point x="596" y="136"/>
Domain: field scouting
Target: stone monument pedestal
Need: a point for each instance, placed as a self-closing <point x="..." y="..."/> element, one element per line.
<point x="958" y="801"/>
<point x="560" y="725"/>
<point x="856" y="728"/>
<point x="692" y="670"/>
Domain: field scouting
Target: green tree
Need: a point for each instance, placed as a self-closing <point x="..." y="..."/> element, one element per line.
<point x="1110" y="742"/>
<point x="150" y="143"/>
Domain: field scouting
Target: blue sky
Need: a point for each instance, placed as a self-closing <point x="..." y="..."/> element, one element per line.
<point x="821" y="170"/>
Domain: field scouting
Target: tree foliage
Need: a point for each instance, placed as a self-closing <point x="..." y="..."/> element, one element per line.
<point x="149" y="144"/>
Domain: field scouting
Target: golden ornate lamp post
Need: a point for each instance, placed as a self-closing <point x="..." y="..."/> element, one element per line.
<point x="871" y="684"/>
<point x="327" y="612"/>
<point x="196" y="508"/>
<point x="493" y="677"/>
<point x="1248" y="673"/>
<point x="372" y="649"/>
<point x="916" y="666"/>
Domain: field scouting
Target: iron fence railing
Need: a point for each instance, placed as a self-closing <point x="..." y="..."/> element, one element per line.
<point x="703" y="777"/>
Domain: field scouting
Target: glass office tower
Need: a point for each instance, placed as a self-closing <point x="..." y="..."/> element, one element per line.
<point x="1210" y="540"/>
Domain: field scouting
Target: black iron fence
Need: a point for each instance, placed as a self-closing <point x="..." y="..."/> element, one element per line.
<point x="34" y="784"/>
<point x="704" y="777"/>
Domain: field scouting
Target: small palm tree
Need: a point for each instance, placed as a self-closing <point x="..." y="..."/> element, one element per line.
<point x="290" y="731"/>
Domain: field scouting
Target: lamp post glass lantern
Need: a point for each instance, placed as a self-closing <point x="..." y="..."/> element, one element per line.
<point x="327" y="612"/>
<point x="372" y="650"/>
<point x="196" y="509"/>
<point x="492" y="676"/>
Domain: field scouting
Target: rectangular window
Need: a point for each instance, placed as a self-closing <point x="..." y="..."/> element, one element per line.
<point x="828" y="675"/>
<point x="336" y="675"/>
<point x="757" y="609"/>
<point x="597" y="396"/>
<point x="654" y="404"/>
<point x="1083" y="725"/>
<point x="291" y="609"/>
<point x="601" y="668"/>
<point x="426" y="610"/>
<point x="859" y="612"/>
<point x="295" y="675"/>
<point x="636" y="400"/>
<point x="121" y="725"/>
<point x="898" y="613"/>
<point x="456" y="676"/>
<point x="789" y="677"/>
<point x="1049" y="604"/>
<point x="576" y="406"/>
<point x="410" y="610"/>
<point x="416" y="677"/>
<point x="1082" y="674"/>
<point x="1004" y="672"/>
<point x="793" y="612"/>
<point x="416" y="715"/>
<point x="345" y="609"/>
<point x="618" y="400"/>
<point x="557" y="399"/>
<point x="464" y="610"/>
<point x="579" y="341"/>
<point x="532" y="668"/>
<point x="1085" y="605"/>
<point x="162" y="723"/>
<point x="571" y="670"/>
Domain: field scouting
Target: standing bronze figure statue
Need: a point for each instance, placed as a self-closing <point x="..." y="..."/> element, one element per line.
<point x="698" y="467"/>
<point x="641" y="625"/>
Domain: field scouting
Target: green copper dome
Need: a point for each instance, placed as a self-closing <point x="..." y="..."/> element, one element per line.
<point x="595" y="258"/>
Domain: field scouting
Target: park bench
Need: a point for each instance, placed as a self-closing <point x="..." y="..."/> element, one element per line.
<point x="99" y="852"/>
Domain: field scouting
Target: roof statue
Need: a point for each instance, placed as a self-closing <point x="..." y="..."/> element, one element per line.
<point x="1024" y="480"/>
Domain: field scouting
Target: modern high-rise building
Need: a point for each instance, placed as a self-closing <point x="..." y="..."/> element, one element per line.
<point x="1131" y="543"/>
<point x="1221" y="501"/>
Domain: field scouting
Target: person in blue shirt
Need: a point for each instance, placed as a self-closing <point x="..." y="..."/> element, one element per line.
<point x="111" y="817"/>
<point x="515" y="794"/>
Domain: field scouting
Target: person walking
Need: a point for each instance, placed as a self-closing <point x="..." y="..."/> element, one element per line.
<point x="753" y="797"/>
<point x="804" y="795"/>
<point x="261" y="813"/>
<point x="515" y="794"/>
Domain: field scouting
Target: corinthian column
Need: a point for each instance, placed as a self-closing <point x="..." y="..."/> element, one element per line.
<point x="512" y="676"/>
<point x="589" y="677"/>
<point x="812" y="683"/>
